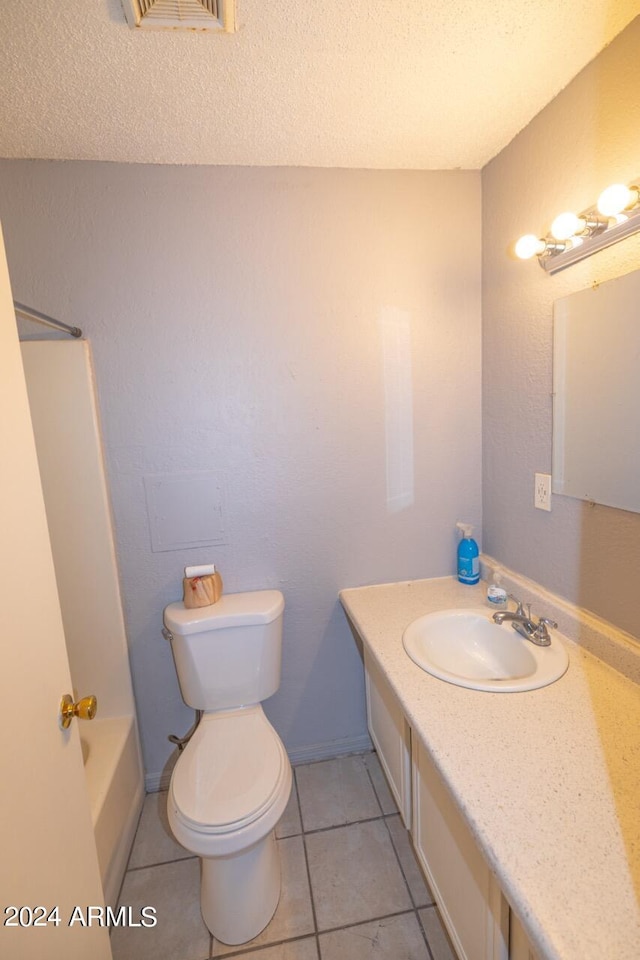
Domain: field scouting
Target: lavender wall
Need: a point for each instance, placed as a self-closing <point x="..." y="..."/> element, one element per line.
<point x="567" y="155"/>
<point x="310" y="338"/>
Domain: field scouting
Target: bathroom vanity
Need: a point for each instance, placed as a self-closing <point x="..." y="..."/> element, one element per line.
<point x="524" y="808"/>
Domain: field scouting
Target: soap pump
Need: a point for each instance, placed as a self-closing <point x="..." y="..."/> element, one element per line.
<point x="468" y="558"/>
<point x="496" y="594"/>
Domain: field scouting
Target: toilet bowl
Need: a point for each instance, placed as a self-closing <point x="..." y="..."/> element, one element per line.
<point x="228" y="791"/>
<point x="232" y="781"/>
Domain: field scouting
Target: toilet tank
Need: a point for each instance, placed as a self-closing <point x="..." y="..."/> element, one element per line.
<point x="227" y="654"/>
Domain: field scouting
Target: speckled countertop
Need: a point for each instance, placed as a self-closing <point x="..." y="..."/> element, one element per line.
<point x="548" y="780"/>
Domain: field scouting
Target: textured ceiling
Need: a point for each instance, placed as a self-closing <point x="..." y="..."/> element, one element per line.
<point x="426" y="84"/>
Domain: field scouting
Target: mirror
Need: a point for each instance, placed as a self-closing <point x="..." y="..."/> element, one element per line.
<point x="596" y="399"/>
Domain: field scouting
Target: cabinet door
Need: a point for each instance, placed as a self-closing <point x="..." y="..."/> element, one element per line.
<point x="519" y="946"/>
<point x="472" y="907"/>
<point x="391" y="736"/>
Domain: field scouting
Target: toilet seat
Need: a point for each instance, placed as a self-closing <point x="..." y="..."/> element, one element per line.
<point x="231" y="772"/>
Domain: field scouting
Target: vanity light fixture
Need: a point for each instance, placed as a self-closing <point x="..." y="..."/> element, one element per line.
<point x="576" y="236"/>
<point x="617" y="198"/>
<point x="529" y="246"/>
<point x="568" y="226"/>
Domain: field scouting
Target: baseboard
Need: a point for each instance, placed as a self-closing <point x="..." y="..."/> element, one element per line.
<point x="326" y="750"/>
<point x="154" y="782"/>
<point x="329" y="749"/>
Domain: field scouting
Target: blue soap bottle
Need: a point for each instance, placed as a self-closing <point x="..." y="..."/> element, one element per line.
<point x="468" y="556"/>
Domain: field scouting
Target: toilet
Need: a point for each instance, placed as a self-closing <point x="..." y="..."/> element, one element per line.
<point x="232" y="781"/>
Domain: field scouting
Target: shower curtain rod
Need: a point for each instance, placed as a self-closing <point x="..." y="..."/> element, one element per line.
<point x="30" y="314"/>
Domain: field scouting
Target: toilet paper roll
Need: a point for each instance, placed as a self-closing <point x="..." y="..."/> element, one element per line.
<point x="204" y="570"/>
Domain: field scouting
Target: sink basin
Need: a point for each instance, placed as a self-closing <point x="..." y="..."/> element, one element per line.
<point x="467" y="648"/>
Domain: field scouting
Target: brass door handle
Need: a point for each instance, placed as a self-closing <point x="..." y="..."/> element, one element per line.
<point x="84" y="709"/>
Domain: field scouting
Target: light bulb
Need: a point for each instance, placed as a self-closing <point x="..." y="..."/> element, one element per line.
<point x="529" y="246"/>
<point x="617" y="198"/>
<point x="567" y="225"/>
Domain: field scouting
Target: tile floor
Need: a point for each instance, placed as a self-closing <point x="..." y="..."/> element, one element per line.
<point x="351" y="886"/>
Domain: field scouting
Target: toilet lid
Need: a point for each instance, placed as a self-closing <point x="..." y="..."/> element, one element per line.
<point x="229" y="772"/>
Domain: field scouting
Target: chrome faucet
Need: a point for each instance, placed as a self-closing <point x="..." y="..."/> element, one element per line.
<point x="524" y="625"/>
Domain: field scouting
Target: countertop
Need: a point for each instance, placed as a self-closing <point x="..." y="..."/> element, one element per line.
<point x="548" y="780"/>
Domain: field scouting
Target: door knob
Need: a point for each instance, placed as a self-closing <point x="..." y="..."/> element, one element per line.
<point x="84" y="709"/>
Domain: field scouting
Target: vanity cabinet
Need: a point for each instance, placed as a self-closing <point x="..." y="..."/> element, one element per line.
<point x="391" y="736"/>
<point x="519" y="946"/>
<point x="471" y="903"/>
<point x="466" y="891"/>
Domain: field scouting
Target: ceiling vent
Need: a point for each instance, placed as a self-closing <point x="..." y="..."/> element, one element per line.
<point x="181" y="14"/>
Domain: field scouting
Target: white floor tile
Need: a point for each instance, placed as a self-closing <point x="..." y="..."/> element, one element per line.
<point x="306" y="949"/>
<point x="355" y="875"/>
<point x="437" y="936"/>
<point x="180" y="934"/>
<point x="154" y="842"/>
<point x="380" y="785"/>
<point x="396" y="938"/>
<point x="418" y="887"/>
<point x="334" y="792"/>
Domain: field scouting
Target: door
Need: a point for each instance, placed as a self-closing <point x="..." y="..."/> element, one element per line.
<point x="48" y="857"/>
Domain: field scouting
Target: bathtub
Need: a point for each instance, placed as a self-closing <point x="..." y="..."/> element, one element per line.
<point x="116" y="792"/>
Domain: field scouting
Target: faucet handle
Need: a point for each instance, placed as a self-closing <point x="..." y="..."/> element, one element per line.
<point x="520" y="611"/>
<point x="540" y="635"/>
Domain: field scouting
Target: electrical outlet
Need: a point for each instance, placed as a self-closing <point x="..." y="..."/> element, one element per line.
<point x="542" y="491"/>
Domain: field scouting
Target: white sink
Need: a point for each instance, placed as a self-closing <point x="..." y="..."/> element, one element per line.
<point x="467" y="648"/>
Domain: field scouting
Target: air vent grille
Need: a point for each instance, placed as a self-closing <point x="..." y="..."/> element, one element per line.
<point x="180" y="14"/>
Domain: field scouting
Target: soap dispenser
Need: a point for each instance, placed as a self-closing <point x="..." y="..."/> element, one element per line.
<point x="468" y="556"/>
<point x="496" y="594"/>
